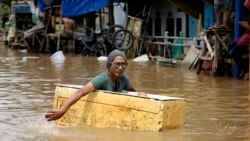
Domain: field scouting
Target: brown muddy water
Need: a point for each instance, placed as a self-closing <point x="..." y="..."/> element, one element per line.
<point x="217" y="107"/>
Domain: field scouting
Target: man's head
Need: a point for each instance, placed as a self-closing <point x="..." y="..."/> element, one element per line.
<point x="113" y="54"/>
<point x="116" y="63"/>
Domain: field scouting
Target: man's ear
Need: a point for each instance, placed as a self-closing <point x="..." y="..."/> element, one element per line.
<point x="108" y="65"/>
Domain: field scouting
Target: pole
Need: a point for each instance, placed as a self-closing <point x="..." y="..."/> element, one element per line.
<point x="237" y="31"/>
<point x="111" y="17"/>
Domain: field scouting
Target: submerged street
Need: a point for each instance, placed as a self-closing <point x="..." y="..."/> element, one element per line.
<point x="217" y="108"/>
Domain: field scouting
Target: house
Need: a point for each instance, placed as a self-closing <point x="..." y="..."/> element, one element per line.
<point x="176" y="15"/>
<point x="182" y="15"/>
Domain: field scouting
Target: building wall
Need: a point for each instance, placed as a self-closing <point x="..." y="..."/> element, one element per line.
<point x="192" y="26"/>
<point x="209" y="15"/>
<point x="167" y="17"/>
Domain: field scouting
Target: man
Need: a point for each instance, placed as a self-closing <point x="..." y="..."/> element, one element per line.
<point x="113" y="79"/>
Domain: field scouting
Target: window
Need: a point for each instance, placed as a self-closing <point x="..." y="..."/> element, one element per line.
<point x="178" y="26"/>
<point x="158" y="27"/>
<point x="170" y="26"/>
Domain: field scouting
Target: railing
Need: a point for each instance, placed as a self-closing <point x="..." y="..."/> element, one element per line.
<point x="198" y="42"/>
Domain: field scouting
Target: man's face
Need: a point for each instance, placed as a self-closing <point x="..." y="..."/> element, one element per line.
<point x="118" y="66"/>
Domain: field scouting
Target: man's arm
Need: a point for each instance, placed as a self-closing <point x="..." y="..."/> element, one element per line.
<point x="56" y="114"/>
<point x="139" y="93"/>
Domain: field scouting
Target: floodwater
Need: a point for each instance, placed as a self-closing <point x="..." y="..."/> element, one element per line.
<point x="218" y="108"/>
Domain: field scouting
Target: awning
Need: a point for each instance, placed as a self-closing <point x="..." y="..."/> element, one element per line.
<point x="42" y="4"/>
<point x="72" y="8"/>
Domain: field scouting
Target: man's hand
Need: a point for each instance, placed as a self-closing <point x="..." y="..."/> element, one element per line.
<point x="143" y="94"/>
<point x="54" y="115"/>
<point x="245" y="24"/>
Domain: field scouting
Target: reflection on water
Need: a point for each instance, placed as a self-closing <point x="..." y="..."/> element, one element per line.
<point x="217" y="107"/>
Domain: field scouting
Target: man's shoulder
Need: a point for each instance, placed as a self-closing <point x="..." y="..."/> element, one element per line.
<point x="102" y="75"/>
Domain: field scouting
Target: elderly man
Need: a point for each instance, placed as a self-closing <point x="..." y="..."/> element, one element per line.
<point x="113" y="79"/>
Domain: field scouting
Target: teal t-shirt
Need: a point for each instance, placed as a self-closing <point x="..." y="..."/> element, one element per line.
<point x="103" y="82"/>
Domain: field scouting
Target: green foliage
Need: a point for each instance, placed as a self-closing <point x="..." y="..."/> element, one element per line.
<point x="8" y="2"/>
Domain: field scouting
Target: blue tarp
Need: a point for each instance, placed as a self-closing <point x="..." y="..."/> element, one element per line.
<point x="72" y="8"/>
<point x="42" y="4"/>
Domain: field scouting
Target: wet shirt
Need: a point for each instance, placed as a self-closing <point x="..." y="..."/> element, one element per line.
<point x="103" y="82"/>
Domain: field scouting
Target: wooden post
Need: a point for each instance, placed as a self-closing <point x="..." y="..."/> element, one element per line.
<point x="165" y="41"/>
<point x="111" y="17"/>
<point x="199" y="25"/>
<point x="60" y="30"/>
<point x="215" y="60"/>
<point x="47" y="22"/>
